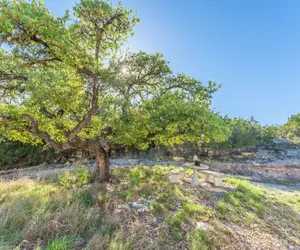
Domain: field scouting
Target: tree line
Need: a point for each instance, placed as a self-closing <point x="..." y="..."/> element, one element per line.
<point x="66" y="83"/>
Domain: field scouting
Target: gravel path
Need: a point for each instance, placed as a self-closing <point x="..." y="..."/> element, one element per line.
<point x="43" y="170"/>
<point x="52" y="169"/>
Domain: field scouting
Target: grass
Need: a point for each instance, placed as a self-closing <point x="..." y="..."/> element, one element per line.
<point x="58" y="212"/>
<point x="246" y="199"/>
<point x="63" y="243"/>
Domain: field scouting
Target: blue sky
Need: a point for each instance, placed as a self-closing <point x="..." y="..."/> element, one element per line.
<point x="251" y="47"/>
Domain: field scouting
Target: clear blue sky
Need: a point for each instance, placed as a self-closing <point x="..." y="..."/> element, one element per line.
<point x="251" y="47"/>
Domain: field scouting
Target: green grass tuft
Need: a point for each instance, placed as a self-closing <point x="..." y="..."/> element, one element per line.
<point x="63" y="243"/>
<point x="55" y="212"/>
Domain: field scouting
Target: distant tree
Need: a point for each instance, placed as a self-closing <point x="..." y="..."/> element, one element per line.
<point x="215" y="135"/>
<point x="244" y="132"/>
<point x="239" y="132"/>
<point x="65" y="82"/>
<point x="271" y="132"/>
<point x="292" y="128"/>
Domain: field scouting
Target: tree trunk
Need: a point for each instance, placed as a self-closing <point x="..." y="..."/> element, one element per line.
<point x="102" y="161"/>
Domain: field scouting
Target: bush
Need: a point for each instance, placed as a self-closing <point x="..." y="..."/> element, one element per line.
<point x="75" y="178"/>
<point x="21" y="155"/>
<point x="12" y="152"/>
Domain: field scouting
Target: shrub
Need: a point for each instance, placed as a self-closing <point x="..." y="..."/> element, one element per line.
<point x="75" y="178"/>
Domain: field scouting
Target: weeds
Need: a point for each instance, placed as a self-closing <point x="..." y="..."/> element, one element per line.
<point x="200" y="240"/>
<point x="57" y="213"/>
<point x="244" y="200"/>
<point x="63" y="243"/>
<point x="75" y="178"/>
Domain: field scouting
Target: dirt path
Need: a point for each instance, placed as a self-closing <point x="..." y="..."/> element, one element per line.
<point x="42" y="171"/>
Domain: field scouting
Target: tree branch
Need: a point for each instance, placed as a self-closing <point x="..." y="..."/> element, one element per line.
<point x="11" y="77"/>
<point x="44" y="61"/>
<point x="34" y="129"/>
<point x="87" y="118"/>
<point x="101" y="31"/>
<point x="77" y="143"/>
<point x="46" y="113"/>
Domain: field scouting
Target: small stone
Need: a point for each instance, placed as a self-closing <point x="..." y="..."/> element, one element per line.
<point x="26" y="245"/>
<point x="174" y="177"/>
<point x="182" y="174"/>
<point x="195" y="180"/>
<point x="78" y="244"/>
<point x="139" y="207"/>
<point x="135" y="205"/>
<point x="160" y="220"/>
<point x="178" y="204"/>
<point x="144" y="209"/>
<point x="203" y="226"/>
<point x="217" y="181"/>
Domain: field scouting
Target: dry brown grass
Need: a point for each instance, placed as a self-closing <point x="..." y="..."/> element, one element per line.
<point x="54" y="217"/>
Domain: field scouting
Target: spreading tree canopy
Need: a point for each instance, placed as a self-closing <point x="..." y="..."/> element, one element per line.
<point x="65" y="82"/>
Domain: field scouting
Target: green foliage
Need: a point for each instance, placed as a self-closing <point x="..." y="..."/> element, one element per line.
<point x="190" y="213"/>
<point x="270" y="133"/>
<point x="64" y="80"/>
<point x="246" y="199"/>
<point x="191" y="209"/>
<point x="45" y="212"/>
<point x="11" y="151"/>
<point x="239" y="133"/>
<point x="88" y="197"/>
<point x="14" y="154"/>
<point x="174" y="222"/>
<point x="199" y="240"/>
<point x="176" y="235"/>
<point x="158" y="208"/>
<point x="243" y="132"/>
<point x="135" y="176"/>
<point x="176" y="119"/>
<point x="75" y="178"/>
<point x="292" y="128"/>
<point x="227" y="133"/>
<point x="62" y="243"/>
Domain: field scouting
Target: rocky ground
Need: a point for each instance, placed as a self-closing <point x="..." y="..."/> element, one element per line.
<point x="141" y="209"/>
<point x="42" y="171"/>
<point x="288" y="155"/>
<point x="261" y="211"/>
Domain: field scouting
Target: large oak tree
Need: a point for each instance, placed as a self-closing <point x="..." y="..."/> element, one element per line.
<point x="64" y="82"/>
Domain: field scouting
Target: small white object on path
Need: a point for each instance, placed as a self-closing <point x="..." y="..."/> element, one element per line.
<point x="195" y="179"/>
<point x="203" y="226"/>
<point x="174" y="176"/>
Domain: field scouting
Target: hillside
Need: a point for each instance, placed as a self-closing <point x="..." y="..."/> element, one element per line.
<point x="140" y="209"/>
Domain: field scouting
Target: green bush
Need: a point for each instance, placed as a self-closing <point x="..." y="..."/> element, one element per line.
<point x="75" y="178"/>
<point x="11" y="152"/>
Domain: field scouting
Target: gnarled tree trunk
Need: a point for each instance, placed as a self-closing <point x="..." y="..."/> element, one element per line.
<point x="102" y="161"/>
